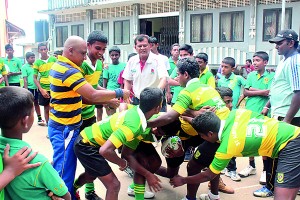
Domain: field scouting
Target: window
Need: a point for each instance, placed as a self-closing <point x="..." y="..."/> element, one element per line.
<point x="201" y="28"/>
<point x="272" y="22"/>
<point x="231" y="27"/>
<point x="102" y="26"/>
<point x="61" y="35"/>
<point x="121" y="32"/>
<point x="77" y="30"/>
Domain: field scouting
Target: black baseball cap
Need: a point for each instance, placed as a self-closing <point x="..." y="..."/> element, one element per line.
<point x="287" y="34"/>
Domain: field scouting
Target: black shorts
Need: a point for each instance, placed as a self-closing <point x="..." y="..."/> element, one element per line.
<point x="35" y="93"/>
<point x="205" y="153"/>
<point x="99" y="106"/>
<point x="94" y="164"/>
<point x="44" y="101"/>
<point x="15" y="84"/>
<point x="87" y="123"/>
<point x="191" y="142"/>
<point x="288" y="168"/>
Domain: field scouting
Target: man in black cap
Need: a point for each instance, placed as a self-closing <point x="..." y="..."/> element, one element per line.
<point x="284" y="96"/>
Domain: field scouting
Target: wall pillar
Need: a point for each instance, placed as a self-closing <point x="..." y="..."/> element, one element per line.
<point x="252" y="28"/>
<point x="52" y="33"/>
<point x="89" y="17"/>
<point x="182" y="18"/>
<point x="135" y="20"/>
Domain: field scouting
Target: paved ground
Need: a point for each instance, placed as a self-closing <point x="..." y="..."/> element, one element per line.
<point x="243" y="190"/>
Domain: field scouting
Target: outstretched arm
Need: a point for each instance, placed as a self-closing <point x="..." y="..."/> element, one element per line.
<point x="164" y="119"/>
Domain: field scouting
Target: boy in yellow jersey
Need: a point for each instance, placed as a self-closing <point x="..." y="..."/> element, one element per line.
<point x="245" y="133"/>
<point x="206" y="77"/>
<point x="42" y="68"/>
<point x="104" y="137"/>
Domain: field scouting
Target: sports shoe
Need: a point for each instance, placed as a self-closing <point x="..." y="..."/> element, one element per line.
<point x="41" y="122"/>
<point x="224" y="171"/>
<point x="233" y="175"/>
<point x="147" y="195"/>
<point x="206" y="197"/>
<point x="129" y="172"/>
<point x="92" y="196"/>
<point x="263" y="178"/>
<point x="263" y="192"/>
<point x="249" y="170"/>
<point x="223" y="187"/>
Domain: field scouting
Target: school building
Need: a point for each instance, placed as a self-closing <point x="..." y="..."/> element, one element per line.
<point x="220" y="28"/>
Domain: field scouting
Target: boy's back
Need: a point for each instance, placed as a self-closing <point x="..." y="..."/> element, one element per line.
<point x="34" y="182"/>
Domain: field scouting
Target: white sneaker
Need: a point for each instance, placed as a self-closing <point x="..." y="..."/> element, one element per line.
<point x="263" y="178"/>
<point x="147" y="195"/>
<point x="247" y="171"/>
<point x="206" y="197"/>
<point x="224" y="171"/>
<point x="233" y="175"/>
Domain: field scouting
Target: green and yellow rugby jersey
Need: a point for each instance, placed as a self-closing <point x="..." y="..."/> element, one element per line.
<point x="42" y="68"/>
<point x="196" y="95"/>
<point x="92" y="76"/>
<point x="120" y="128"/>
<point x="246" y="133"/>
<point x="206" y="77"/>
<point x="65" y="79"/>
<point x="2" y="71"/>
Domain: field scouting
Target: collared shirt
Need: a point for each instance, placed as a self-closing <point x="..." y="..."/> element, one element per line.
<point x="206" y="77"/>
<point x="234" y="82"/>
<point x="150" y="76"/>
<point x="34" y="182"/>
<point x="286" y="81"/>
<point x="65" y="79"/>
<point x="261" y="82"/>
<point x="14" y="66"/>
<point x="27" y="71"/>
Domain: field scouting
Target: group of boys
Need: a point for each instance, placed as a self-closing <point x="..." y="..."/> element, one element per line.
<point x="73" y="80"/>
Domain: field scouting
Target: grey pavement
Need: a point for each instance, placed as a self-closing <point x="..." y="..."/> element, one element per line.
<point x="36" y="137"/>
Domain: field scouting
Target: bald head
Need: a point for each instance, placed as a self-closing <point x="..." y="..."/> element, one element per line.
<point x="75" y="49"/>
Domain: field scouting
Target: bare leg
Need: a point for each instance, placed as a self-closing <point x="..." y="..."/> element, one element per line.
<point x="112" y="185"/>
<point x="192" y="169"/>
<point x="285" y="193"/>
<point x="99" y="114"/>
<point x="46" y="113"/>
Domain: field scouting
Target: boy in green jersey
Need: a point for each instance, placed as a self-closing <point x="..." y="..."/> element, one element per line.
<point x="112" y="72"/>
<point x="16" y="118"/>
<point x="257" y="90"/>
<point x="245" y="133"/>
<point x="42" y="68"/>
<point x="14" y="65"/>
<point x="27" y="74"/>
<point x="206" y="77"/>
<point x="104" y="137"/>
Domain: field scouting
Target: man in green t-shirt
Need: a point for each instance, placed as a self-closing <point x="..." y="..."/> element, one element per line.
<point x="206" y="77"/>
<point x="27" y="74"/>
<point x="104" y="137"/>
<point x="14" y="65"/>
<point x="112" y="72"/>
<point x="245" y="133"/>
<point x="172" y="61"/>
<point x="3" y="73"/>
<point x="42" y="68"/>
<point x="16" y="118"/>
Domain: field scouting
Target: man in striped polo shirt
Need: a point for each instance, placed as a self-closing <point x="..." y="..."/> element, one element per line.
<point x="246" y="133"/>
<point x="67" y="87"/>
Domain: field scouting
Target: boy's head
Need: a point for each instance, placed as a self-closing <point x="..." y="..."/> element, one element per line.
<point x="151" y="100"/>
<point x="185" y="50"/>
<point x="248" y="62"/>
<point x="202" y="59"/>
<point x="207" y="125"/>
<point x="260" y="60"/>
<point x="18" y="111"/>
<point x="9" y="50"/>
<point x="153" y="43"/>
<point x="30" y="57"/>
<point x="226" y="95"/>
<point x="228" y="65"/>
<point x="175" y="50"/>
<point x="43" y="50"/>
<point x="114" y="54"/>
<point x="187" y="68"/>
<point x="57" y="53"/>
<point x="131" y="55"/>
<point x="96" y="45"/>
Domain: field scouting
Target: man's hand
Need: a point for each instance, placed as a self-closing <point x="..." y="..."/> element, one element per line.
<point x="265" y="111"/>
<point x="195" y="113"/>
<point x="45" y="93"/>
<point x="20" y="161"/>
<point x="153" y="182"/>
<point x="126" y="94"/>
<point x="169" y="97"/>
<point x="54" y="197"/>
<point x="177" y="181"/>
<point x="113" y="103"/>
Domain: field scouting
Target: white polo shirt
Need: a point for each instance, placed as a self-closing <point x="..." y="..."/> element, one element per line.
<point x="286" y="80"/>
<point x="150" y="76"/>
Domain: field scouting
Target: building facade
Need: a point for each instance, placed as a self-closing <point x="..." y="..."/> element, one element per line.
<point x="220" y="28"/>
